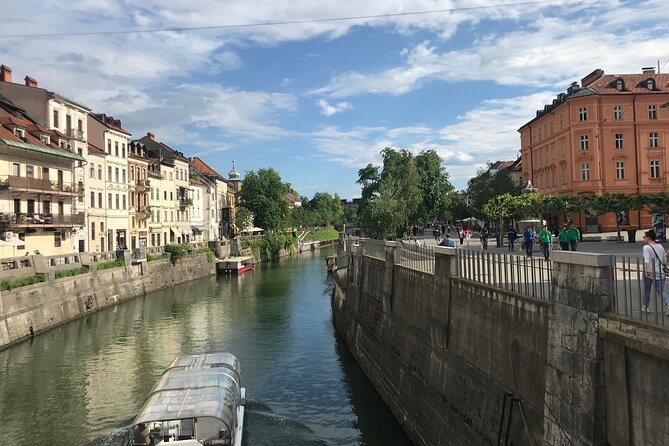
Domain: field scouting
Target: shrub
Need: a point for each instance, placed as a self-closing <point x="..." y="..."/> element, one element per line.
<point x="151" y="258"/>
<point x="71" y="272"/>
<point x="176" y="252"/>
<point x="209" y="252"/>
<point x="269" y="245"/>
<point x="108" y="265"/>
<point x="8" y="284"/>
<point x="323" y="235"/>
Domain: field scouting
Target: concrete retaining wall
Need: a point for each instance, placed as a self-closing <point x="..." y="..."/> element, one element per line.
<point x="45" y="305"/>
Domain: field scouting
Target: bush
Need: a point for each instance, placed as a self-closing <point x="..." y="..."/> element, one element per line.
<point x="269" y="245"/>
<point x="176" y="252"/>
<point x="71" y="272"/>
<point x="209" y="252"/>
<point x="151" y="258"/>
<point x="323" y="235"/>
<point x="8" y="284"/>
<point x="108" y="265"/>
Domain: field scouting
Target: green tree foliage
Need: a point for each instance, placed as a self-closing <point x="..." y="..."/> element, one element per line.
<point x="243" y="218"/>
<point x="322" y="210"/>
<point x="263" y="194"/>
<point x="487" y="185"/>
<point x="406" y="191"/>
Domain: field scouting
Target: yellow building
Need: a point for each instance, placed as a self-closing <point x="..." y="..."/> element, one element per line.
<point x="139" y="186"/>
<point x="38" y="190"/>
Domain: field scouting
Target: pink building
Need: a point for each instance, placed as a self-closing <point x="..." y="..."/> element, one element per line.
<point x="607" y="135"/>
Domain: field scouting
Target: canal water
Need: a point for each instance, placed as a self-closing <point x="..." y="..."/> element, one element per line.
<point x="82" y="383"/>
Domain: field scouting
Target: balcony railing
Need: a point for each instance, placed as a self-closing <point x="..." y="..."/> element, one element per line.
<point x="12" y="182"/>
<point x="142" y="212"/>
<point x="75" y="133"/>
<point x="139" y="185"/>
<point x="183" y="202"/>
<point x="30" y="220"/>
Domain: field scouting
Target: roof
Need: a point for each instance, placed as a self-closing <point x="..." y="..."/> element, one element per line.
<point x="95" y="150"/>
<point x="109" y="122"/>
<point x="292" y="198"/>
<point x="197" y="182"/>
<point x="204" y="168"/>
<point x="634" y="83"/>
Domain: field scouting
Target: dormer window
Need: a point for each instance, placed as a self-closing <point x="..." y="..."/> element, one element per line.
<point x="620" y="85"/>
<point x="20" y="133"/>
<point x="46" y="140"/>
<point x="651" y="84"/>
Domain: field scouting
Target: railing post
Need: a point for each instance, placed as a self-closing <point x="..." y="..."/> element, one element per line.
<point x="575" y="405"/>
<point x="445" y="268"/>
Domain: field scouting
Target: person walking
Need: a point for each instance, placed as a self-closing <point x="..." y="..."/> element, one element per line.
<point x="546" y="238"/>
<point x="484" y="238"/>
<point x="512" y="237"/>
<point x="574" y="237"/>
<point x="469" y="235"/>
<point x="528" y="241"/>
<point x="563" y="238"/>
<point x="461" y="236"/>
<point x="653" y="270"/>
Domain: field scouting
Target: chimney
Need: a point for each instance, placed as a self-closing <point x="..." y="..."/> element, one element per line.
<point x="590" y="78"/>
<point x="5" y="73"/>
<point x="30" y="82"/>
<point x="648" y="70"/>
<point x="150" y="135"/>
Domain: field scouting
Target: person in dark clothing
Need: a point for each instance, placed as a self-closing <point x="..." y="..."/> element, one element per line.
<point x="528" y="241"/>
<point x="512" y="237"/>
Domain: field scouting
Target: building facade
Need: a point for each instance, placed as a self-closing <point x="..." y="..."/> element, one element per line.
<point x="95" y="192"/>
<point x="608" y="134"/>
<point x="139" y="186"/>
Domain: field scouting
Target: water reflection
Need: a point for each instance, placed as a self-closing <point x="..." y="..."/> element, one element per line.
<point x="83" y="382"/>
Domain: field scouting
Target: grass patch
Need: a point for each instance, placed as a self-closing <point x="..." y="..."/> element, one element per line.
<point x="269" y="245"/>
<point x="9" y="284"/>
<point x="176" y="252"/>
<point x="151" y="258"/>
<point x="71" y="272"/>
<point x="323" y="235"/>
<point x="108" y="265"/>
<point x="208" y="251"/>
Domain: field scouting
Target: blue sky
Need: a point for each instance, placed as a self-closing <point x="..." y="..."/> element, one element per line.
<point x="318" y="101"/>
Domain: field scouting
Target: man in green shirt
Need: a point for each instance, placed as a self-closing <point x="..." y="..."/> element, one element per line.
<point x="563" y="237"/>
<point x="545" y="238"/>
<point x="574" y="237"/>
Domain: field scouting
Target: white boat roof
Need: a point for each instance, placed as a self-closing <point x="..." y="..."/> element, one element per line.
<point x="195" y="386"/>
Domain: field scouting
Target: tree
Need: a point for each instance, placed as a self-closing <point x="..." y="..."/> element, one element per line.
<point x="434" y="185"/>
<point x="263" y="194"/>
<point x="243" y="218"/>
<point x="487" y="185"/>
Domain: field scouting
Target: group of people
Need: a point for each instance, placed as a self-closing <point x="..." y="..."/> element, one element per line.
<point x="568" y="237"/>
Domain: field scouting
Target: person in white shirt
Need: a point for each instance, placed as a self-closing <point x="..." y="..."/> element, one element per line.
<point x="654" y="258"/>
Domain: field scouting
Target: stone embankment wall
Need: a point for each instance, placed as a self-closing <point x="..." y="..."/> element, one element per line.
<point x="45" y="305"/>
<point x="443" y="352"/>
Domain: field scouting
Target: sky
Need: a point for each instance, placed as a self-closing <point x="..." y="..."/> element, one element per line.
<point x="318" y="100"/>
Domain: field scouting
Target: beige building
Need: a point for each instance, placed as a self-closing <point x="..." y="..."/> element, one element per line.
<point x="39" y="197"/>
<point x="155" y="203"/>
<point x="96" y="189"/>
<point x="139" y="186"/>
<point x="220" y="213"/>
<point x="184" y="196"/>
<point x="105" y="131"/>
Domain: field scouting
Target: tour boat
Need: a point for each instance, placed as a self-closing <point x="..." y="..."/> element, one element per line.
<point x="331" y="263"/>
<point x="236" y="265"/>
<point x="198" y="400"/>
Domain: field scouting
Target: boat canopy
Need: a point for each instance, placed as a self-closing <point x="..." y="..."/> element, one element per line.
<point x="195" y="386"/>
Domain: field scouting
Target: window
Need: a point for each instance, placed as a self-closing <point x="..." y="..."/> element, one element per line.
<point x="46" y="207"/>
<point x="171" y="177"/>
<point x="619" y="141"/>
<point x="45" y="173"/>
<point x="561" y="121"/>
<point x="116" y="148"/>
<point x="100" y="200"/>
<point x="564" y="147"/>
<point x="56" y="121"/>
<point x="132" y="173"/>
<point x="165" y="192"/>
<point x="102" y="227"/>
<point x="46" y="140"/>
<point x="109" y="173"/>
<point x="564" y="175"/>
<point x="100" y="172"/>
<point x="620" y="85"/>
<point x="583" y="114"/>
<point x="124" y="202"/>
<point x="585" y="172"/>
<point x="57" y="239"/>
<point x="123" y="150"/>
<point x="109" y="146"/>
<point x="618" y="113"/>
<point x="651" y="84"/>
<point x="30" y="171"/>
<point x="91" y="171"/>
<point x="118" y="201"/>
<point x="123" y="176"/>
<point x="652" y="112"/>
<point x="92" y="199"/>
<point x="620" y="170"/>
<point x="109" y="201"/>
<point x="655" y="169"/>
<point x="171" y="196"/>
<point x="92" y="230"/>
<point x="654" y="140"/>
<point x="20" y="134"/>
<point x="584" y="142"/>
<point x="117" y="174"/>
<point x="80" y="125"/>
<point x="16" y="169"/>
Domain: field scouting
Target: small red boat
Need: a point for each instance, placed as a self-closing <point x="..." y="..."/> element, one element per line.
<point x="236" y="265"/>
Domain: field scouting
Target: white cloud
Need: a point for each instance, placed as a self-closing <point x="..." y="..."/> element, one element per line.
<point x="329" y="110"/>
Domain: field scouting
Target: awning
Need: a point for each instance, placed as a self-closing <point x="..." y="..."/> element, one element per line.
<point x="176" y="232"/>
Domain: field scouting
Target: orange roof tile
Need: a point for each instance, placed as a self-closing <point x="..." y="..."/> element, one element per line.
<point x="634" y="83"/>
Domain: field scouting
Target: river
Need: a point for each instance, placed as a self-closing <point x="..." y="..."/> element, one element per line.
<point x="82" y="383"/>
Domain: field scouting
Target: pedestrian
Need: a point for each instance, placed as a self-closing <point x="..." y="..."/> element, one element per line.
<point x="461" y="236"/>
<point x="563" y="237"/>
<point x="528" y="241"/>
<point x="437" y="233"/>
<point x="448" y="242"/>
<point x="484" y="238"/>
<point x="449" y="229"/>
<point x="512" y="237"/>
<point x="546" y="238"/>
<point x="574" y="237"/>
<point x="653" y="269"/>
<point x="469" y="235"/>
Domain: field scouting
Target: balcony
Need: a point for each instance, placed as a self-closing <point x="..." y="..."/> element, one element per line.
<point x="139" y="185"/>
<point x="184" y="202"/>
<point x="75" y="134"/>
<point x="39" y="185"/>
<point x="30" y="220"/>
<point x="142" y="212"/>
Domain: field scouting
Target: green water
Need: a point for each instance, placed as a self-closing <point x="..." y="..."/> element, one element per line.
<point x="82" y="383"/>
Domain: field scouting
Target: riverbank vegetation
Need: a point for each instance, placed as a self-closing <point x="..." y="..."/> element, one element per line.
<point x="9" y="284"/>
<point x="269" y="246"/>
<point x="323" y="235"/>
<point x="71" y="272"/>
<point x="208" y="251"/>
<point x="109" y="265"/>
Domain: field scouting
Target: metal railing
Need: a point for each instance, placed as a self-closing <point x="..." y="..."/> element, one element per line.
<point x="9" y="220"/>
<point x="12" y="182"/>
<point x="416" y="257"/>
<point x="65" y="259"/>
<point x="375" y="248"/>
<point x="639" y="291"/>
<point x="183" y="202"/>
<point x="529" y="276"/>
